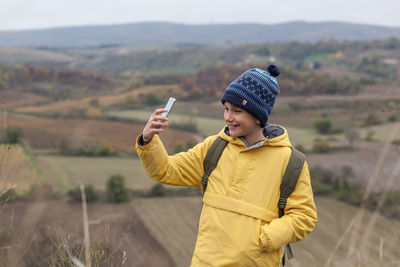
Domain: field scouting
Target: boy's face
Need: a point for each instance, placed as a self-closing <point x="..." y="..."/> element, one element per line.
<point x="241" y="123"/>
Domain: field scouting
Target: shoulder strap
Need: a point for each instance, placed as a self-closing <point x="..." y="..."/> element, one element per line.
<point x="288" y="185"/>
<point x="211" y="159"/>
<point x="290" y="178"/>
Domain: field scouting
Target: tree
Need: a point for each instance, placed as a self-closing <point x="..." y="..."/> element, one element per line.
<point x="323" y="125"/>
<point x="90" y="192"/>
<point x="352" y="135"/>
<point x="13" y="135"/>
<point x="116" y="190"/>
<point x="157" y="190"/>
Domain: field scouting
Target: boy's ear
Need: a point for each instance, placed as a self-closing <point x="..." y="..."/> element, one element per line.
<point x="258" y="122"/>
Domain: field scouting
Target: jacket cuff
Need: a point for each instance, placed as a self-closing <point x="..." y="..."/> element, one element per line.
<point x="141" y="142"/>
<point x="265" y="242"/>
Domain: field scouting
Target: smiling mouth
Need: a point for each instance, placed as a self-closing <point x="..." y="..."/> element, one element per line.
<point x="232" y="126"/>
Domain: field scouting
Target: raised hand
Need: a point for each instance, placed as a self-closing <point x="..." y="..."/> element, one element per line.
<point x="156" y="124"/>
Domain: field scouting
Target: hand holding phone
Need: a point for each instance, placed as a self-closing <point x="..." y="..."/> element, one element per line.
<point x="168" y="107"/>
<point x="154" y="125"/>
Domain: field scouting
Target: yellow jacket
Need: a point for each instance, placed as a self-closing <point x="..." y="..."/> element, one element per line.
<point x="239" y="224"/>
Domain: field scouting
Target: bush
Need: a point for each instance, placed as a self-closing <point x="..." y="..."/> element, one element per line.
<point x="90" y="192"/>
<point x="323" y="125"/>
<point x="150" y="99"/>
<point x="372" y="119"/>
<point x="393" y="118"/>
<point x="88" y="150"/>
<point x="352" y="135"/>
<point x="370" y="135"/>
<point x="116" y="190"/>
<point x="157" y="190"/>
<point x="320" y="146"/>
<point x="13" y="135"/>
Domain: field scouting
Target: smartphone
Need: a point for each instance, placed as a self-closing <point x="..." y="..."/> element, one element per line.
<point x="168" y="107"/>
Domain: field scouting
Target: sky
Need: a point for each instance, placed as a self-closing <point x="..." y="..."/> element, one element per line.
<point x="43" y="14"/>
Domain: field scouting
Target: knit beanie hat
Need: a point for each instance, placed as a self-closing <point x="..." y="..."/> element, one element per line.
<point x="254" y="91"/>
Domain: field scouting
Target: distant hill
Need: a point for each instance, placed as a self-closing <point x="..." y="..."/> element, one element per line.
<point x="159" y="33"/>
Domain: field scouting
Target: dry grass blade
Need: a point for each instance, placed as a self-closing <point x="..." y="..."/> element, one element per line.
<point x="381" y="202"/>
<point x="72" y="257"/>
<point x="355" y="224"/>
<point x="339" y="243"/>
<point x="85" y="226"/>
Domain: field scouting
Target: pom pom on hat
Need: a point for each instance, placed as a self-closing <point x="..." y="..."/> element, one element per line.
<point x="273" y="70"/>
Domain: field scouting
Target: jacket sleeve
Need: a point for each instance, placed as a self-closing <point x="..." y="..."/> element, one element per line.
<point x="185" y="168"/>
<point x="299" y="219"/>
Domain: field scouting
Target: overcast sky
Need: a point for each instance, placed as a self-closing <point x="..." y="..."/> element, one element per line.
<point x="28" y="14"/>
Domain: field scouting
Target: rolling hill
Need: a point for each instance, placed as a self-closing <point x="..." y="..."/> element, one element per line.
<point x="161" y="33"/>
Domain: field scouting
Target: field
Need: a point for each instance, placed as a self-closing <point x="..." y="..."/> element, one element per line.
<point x="205" y="126"/>
<point x="62" y="115"/>
<point x="178" y="235"/>
<point x="17" y="170"/>
<point x="52" y="236"/>
<point x="48" y="133"/>
<point x="103" y="101"/>
<point x="68" y="172"/>
<point x="162" y="232"/>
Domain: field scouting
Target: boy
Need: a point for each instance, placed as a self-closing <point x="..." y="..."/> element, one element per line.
<point x="239" y="222"/>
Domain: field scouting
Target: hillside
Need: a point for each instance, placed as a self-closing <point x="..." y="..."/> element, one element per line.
<point x="178" y="235"/>
<point x="76" y="112"/>
<point x="159" y="34"/>
<point x="162" y="232"/>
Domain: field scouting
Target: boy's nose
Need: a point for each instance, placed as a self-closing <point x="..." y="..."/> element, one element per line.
<point x="228" y="116"/>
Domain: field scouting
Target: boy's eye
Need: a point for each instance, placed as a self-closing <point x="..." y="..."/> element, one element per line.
<point x="237" y="110"/>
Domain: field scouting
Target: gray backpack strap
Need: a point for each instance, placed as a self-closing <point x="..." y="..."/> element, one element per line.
<point x="288" y="185"/>
<point x="211" y="159"/>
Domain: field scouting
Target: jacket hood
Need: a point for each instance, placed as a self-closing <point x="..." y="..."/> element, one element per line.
<point x="275" y="135"/>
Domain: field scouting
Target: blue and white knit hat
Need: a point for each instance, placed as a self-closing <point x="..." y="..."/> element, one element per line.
<point x="254" y="91"/>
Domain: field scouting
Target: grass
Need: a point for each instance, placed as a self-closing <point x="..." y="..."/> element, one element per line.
<point x="381" y="132"/>
<point x="323" y="57"/>
<point x="178" y="235"/>
<point x="68" y="172"/>
<point x="17" y="170"/>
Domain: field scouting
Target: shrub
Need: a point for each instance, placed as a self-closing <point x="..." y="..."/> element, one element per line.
<point x="150" y="99"/>
<point x="105" y="150"/>
<point x="370" y="135"/>
<point x="320" y="146"/>
<point x="372" y="119"/>
<point x="396" y="142"/>
<point x="323" y="125"/>
<point x="157" y="190"/>
<point x="7" y="195"/>
<point x="90" y="192"/>
<point x="116" y="190"/>
<point x="393" y="118"/>
<point x="352" y="135"/>
<point x="13" y="135"/>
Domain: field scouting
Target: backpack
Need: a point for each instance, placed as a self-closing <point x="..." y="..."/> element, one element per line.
<point x="288" y="183"/>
